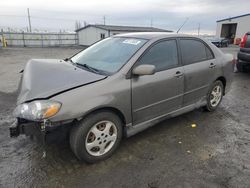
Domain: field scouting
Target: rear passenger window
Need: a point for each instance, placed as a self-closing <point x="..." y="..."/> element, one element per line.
<point x="209" y="53"/>
<point x="163" y="55"/>
<point x="194" y="51"/>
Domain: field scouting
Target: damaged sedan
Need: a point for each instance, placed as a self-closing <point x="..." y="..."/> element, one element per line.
<point x="119" y="87"/>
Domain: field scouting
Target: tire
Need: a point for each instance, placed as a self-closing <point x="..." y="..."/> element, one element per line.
<point x="91" y="138"/>
<point x="240" y="66"/>
<point x="211" y="106"/>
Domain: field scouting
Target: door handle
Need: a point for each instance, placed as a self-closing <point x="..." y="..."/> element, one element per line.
<point x="178" y="74"/>
<point x="212" y="65"/>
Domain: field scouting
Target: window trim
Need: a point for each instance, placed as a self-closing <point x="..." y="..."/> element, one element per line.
<point x="152" y="45"/>
<point x="196" y="39"/>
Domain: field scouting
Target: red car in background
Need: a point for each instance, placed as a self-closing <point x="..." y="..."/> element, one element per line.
<point x="244" y="53"/>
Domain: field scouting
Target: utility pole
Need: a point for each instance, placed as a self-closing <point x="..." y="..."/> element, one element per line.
<point x="104" y="20"/>
<point x="29" y="19"/>
<point x="199" y="27"/>
<point x="151" y="22"/>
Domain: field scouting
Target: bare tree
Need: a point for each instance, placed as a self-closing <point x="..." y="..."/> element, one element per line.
<point x="78" y="25"/>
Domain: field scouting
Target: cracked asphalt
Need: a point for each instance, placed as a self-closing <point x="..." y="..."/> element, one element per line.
<point x="171" y="154"/>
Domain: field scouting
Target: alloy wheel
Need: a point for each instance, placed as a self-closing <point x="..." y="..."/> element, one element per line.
<point x="101" y="138"/>
<point x="216" y="96"/>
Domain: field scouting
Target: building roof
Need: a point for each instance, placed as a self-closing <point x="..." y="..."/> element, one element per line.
<point x="230" y="18"/>
<point x="125" y="28"/>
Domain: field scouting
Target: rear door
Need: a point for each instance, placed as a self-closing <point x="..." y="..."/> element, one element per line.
<point x="200" y="69"/>
<point x="158" y="94"/>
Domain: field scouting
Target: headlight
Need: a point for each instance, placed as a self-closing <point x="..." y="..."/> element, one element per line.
<point x="37" y="110"/>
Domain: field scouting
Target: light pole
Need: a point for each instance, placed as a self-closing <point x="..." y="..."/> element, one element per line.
<point x="29" y="19"/>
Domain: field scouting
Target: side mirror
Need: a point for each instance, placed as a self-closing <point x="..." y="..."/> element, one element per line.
<point x="144" y="70"/>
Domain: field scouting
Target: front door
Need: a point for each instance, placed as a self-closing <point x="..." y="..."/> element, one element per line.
<point x="159" y="94"/>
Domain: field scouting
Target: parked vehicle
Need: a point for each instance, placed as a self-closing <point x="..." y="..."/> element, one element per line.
<point x="119" y="87"/>
<point x="244" y="53"/>
<point x="219" y="41"/>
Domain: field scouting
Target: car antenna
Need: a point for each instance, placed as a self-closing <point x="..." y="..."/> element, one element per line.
<point x="182" y="25"/>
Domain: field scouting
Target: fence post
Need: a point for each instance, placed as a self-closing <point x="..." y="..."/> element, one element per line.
<point x="59" y="37"/>
<point x="77" y="38"/>
<point x="42" y="39"/>
<point x="23" y="39"/>
<point x="10" y="41"/>
<point x="2" y="38"/>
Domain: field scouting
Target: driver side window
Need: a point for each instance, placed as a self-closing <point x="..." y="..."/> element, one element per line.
<point x="162" y="55"/>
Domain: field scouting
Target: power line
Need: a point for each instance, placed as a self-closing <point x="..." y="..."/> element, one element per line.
<point x="5" y="15"/>
<point x="101" y="19"/>
<point x="37" y="17"/>
<point x="47" y="18"/>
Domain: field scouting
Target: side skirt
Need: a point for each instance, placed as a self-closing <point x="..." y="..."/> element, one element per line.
<point x="132" y="130"/>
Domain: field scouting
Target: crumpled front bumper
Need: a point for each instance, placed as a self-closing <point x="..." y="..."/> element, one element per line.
<point x="23" y="127"/>
<point x="45" y="132"/>
<point x="27" y="128"/>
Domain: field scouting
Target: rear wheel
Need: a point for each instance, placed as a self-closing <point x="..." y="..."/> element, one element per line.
<point x="214" y="95"/>
<point x="96" y="137"/>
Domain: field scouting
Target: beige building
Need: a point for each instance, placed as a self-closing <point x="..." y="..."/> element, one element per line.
<point x="233" y="27"/>
<point x="92" y="33"/>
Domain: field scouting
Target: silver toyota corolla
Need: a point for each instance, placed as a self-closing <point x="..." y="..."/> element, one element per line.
<point x="119" y="87"/>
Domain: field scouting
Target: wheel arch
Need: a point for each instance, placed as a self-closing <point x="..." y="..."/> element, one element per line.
<point x="108" y="108"/>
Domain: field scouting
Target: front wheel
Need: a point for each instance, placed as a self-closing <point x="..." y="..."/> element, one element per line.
<point x="214" y="95"/>
<point x="96" y="137"/>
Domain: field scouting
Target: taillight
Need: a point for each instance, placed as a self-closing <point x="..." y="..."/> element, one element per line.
<point x="243" y="41"/>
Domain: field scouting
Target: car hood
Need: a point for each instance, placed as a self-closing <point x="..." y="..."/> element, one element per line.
<point x="45" y="78"/>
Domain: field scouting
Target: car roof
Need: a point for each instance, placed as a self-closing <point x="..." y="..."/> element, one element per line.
<point x="152" y="35"/>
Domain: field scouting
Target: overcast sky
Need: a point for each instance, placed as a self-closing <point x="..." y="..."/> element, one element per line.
<point x="167" y="14"/>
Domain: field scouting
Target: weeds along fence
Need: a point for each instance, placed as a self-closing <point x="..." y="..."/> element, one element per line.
<point x="23" y="39"/>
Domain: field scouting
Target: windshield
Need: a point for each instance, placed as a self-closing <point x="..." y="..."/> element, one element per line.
<point x="109" y="55"/>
